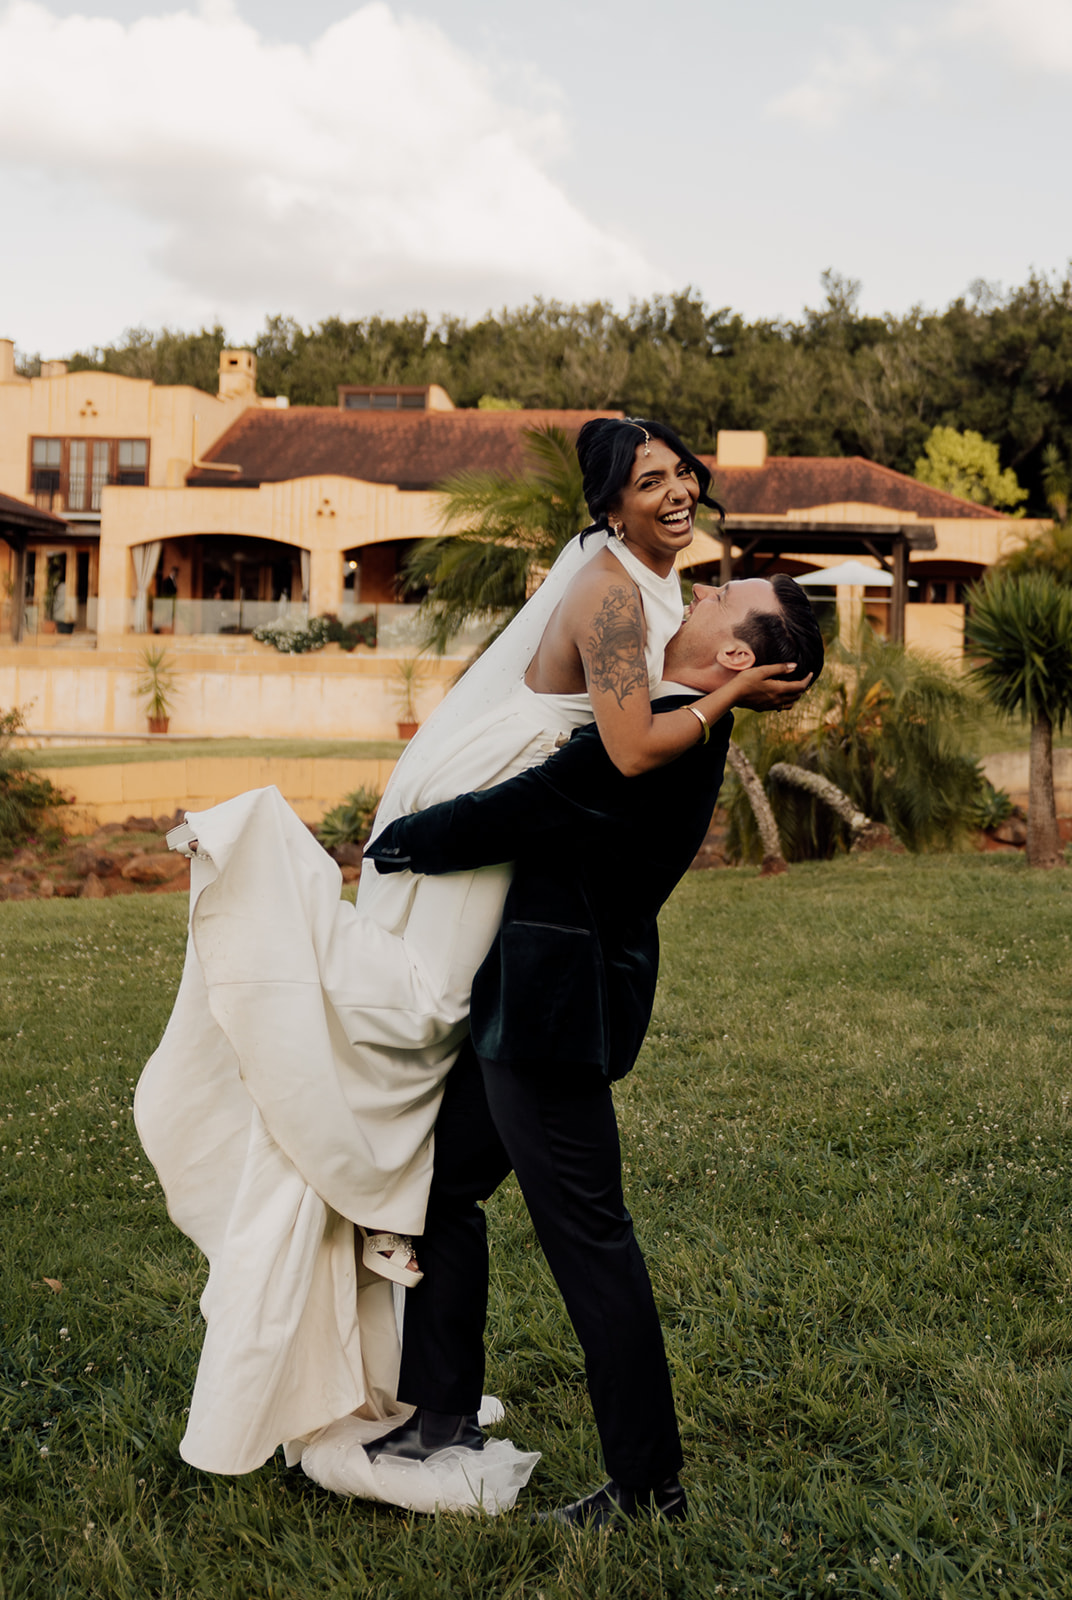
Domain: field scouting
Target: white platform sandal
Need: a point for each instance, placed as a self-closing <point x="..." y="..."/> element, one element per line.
<point x="389" y="1255"/>
<point x="183" y="839"/>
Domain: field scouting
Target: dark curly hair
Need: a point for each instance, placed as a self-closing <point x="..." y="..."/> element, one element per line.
<point x="606" y="449"/>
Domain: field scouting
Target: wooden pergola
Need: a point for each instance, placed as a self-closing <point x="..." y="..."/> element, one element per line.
<point x="760" y="541"/>
<point x="18" y="524"/>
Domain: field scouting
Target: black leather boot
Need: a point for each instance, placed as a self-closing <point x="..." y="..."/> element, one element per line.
<point x="614" y="1503"/>
<point x="425" y="1433"/>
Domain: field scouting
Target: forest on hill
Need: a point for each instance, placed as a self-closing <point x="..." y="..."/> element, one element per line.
<point x="836" y="382"/>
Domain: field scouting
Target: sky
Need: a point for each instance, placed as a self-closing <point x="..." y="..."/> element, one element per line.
<point x="175" y="165"/>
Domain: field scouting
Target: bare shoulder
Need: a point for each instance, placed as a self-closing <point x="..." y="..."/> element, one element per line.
<point x="608" y="625"/>
<point x="602" y="588"/>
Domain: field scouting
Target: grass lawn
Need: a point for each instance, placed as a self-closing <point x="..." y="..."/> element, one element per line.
<point x="993" y="734"/>
<point x="849" y="1154"/>
<point x="190" y="749"/>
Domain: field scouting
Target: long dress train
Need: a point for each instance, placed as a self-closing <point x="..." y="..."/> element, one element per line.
<point x="295" y="1090"/>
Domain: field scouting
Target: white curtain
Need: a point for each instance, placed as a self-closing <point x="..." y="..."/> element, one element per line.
<point x="306" y="562"/>
<point x="146" y="560"/>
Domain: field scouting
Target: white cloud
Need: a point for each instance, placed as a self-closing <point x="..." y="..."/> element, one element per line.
<point x="1037" y="33"/>
<point x="374" y="169"/>
<point x="861" y="70"/>
<point x="853" y="69"/>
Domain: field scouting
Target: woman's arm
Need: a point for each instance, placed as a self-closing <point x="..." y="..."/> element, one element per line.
<point x="606" y="620"/>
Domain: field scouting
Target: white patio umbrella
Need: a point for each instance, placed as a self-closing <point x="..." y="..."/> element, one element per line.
<point x="852" y="574"/>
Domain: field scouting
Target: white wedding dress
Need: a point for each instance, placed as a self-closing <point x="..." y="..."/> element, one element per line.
<point x="295" y="1090"/>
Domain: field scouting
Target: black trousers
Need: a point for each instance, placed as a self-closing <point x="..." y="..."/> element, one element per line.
<point x="556" y="1129"/>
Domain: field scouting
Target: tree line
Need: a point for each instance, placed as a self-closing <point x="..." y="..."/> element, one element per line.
<point x="835" y="382"/>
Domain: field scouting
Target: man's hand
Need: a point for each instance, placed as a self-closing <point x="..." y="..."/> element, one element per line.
<point x="767" y="688"/>
<point x="385" y="853"/>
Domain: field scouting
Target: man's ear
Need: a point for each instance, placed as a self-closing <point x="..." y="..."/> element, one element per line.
<point x="736" y="656"/>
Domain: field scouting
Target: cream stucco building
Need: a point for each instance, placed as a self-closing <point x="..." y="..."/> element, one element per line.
<point x="170" y="517"/>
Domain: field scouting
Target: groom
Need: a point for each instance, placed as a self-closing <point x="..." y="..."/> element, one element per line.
<point x="559" y="1009"/>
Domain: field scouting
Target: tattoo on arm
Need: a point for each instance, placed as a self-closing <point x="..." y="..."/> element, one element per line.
<point x="614" y="659"/>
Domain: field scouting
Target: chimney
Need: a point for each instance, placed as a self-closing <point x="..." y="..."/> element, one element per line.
<point x="53" y="369"/>
<point x="7" y="361"/>
<point x="238" y="375"/>
<point x="741" y="449"/>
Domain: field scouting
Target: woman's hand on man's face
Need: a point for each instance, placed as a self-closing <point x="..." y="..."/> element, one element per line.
<point x="768" y="689"/>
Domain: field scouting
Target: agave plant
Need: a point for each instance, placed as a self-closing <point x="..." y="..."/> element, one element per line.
<point x="891" y="730"/>
<point x="1019" y="626"/>
<point x="350" y="822"/>
<point x="501" y="534"/>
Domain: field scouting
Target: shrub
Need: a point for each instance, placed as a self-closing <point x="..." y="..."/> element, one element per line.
<point x="350" y="822"/>
<point x="993" y="806"/>
<point x="890" y="727"/>
<point x="318" y="631"/>
<point x="26" y="798"/>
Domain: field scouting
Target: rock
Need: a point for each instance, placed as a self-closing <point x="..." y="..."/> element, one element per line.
<point x="350" y="874"/>
<point x="1012" y="831"/>
<point x="45" y="889"/>
<point x="988" y="846"/>
<point x="16" y="889"/>
<point x="876" y="836"/>
<point x="111" y="827"/>
<point x="68" y="888"/>
<point x="93" y="889"/>
<point x="708" y="855"/>
<point x="86" y="860"/>
<point x="140" y="825"/>
<point x="152" y="869"/>
<point x="165" y="824"/>
<point x="712" y="853"/>
<point x="347" y="855"/>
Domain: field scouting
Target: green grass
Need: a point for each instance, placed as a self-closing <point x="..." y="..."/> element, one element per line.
<point x="849" y="1154"/>
<point x="994" y="734"/>
<point x="187" y="750"/>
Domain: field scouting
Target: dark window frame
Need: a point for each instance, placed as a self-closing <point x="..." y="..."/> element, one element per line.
<point x="45" y="482"/>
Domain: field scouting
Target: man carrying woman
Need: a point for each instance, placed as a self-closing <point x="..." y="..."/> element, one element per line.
<point x="559" y="1010"/>
<point x="296" y="1089"/>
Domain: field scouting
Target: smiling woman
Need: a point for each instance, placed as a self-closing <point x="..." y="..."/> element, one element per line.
<point x="642" y="485"/>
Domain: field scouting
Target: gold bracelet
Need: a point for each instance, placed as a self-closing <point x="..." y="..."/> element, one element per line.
<point x="702" y="721"/>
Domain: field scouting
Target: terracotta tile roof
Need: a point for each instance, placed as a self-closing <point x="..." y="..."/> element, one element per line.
<point x="795" y="483"/>
<point x="414" y="450"/>
<point x="419" y="449"/>
<point x="27" y="519"/>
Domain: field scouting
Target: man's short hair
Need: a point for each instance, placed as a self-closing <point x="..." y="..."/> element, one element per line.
<point x="789" y="634"/>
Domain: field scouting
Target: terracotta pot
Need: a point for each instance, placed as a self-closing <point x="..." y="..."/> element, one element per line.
<point x="406" y="730"/>
<point x="158" y="724"/>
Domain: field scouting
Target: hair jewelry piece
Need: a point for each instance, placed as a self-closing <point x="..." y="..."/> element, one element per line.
<point x="644" y="431"/>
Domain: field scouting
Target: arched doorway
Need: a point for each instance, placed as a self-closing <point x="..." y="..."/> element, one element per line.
<point x="219" y="583"/>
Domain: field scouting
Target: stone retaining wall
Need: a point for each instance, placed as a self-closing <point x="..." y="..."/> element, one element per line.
<point x="114" y="792"/>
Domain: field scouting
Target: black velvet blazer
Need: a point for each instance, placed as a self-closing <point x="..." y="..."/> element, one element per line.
<point x="571" y="976"/>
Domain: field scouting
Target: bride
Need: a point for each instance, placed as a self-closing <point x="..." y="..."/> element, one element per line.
<point x="294" y="1094"/>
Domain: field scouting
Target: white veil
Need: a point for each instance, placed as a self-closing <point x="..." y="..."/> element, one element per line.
<point x="489" y="682"/>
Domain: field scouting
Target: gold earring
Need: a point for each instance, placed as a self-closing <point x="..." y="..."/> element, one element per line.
<point x="619" y="530"/>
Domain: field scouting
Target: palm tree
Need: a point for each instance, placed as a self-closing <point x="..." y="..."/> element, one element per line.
<point x="502" y="535"/>
<point x="889" y="729"/>
<point x="1019" y="625"/>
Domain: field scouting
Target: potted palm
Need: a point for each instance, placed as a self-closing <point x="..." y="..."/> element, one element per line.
<point x="410" y="676"/>
<point x="157" y="687"/>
